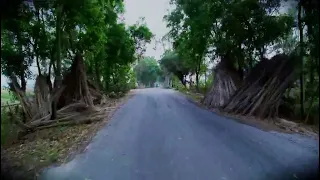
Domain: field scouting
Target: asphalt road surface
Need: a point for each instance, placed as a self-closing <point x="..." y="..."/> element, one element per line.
<point x="161" y="135"/>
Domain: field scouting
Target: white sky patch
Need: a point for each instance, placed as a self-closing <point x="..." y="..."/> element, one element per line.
<point x="153" y="11"/>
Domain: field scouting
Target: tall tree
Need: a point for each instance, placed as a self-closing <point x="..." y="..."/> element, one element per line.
<point x="64" y="39"/>
<point x="148" y="71"/>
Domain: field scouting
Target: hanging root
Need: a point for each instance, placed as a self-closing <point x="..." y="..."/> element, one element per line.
<point x="77" y="113"/>
<point x="77" y="88"/>
<point x="225" y="83"/>
<point x="263" y="88"/>
<point x="79" y="101"/>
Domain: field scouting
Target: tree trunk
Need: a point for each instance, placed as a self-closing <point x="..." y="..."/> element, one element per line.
<point x="301" y="61"/>
<point x="184" y="80"/>
<point x="23" y="82"/>
<point x="98" y="76"/>
<point x="240" y="68"/>
<point x="58" y="77"/>
<point x="36" y="48"/>
<point x="49" y="76"/>
<point x="197" y="81"/>
<point x="38" y="65"/>
<point x="263" y="88"/>
<point x="226" y="82"/>
<point x="197" y="73"/>
<point x="190" y="81"/>
<point x="312" y="99"/>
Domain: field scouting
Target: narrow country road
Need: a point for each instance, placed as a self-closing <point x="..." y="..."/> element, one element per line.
<point x="160" y="135"/>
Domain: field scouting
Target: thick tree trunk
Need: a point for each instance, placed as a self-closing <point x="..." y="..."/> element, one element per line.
<point x="225" y="83"/>
<point x="76" y="85"/>
<point x="263" y="88"/>
<point x="182" y="79"/>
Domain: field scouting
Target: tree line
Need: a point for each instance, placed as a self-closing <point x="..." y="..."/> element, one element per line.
<point x="266" y="60"/>
<point x="82" y="50"/>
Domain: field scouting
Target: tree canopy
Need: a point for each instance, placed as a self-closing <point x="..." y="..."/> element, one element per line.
<point x="83" y="46"/>
<point x="239" y="36"/>
<point x="236" y="36"/>
<point x="148" y="71"/>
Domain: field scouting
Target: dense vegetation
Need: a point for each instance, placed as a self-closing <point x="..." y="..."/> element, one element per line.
<point x="266" y="62"/>
<point x="81" y="54"/>
<point x="240" y="37"/>
<point x="82" y="50"/>
<point x="148" y="71"/>
<point x="247" y="56"/>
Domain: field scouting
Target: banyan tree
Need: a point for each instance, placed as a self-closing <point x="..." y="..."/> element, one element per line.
<point x="261" y="91"/>
<point x="78" y="100"/>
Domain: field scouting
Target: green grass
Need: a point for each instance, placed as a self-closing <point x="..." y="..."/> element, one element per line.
<point x="6" y="96"/>
<point x="9" y="131"/>
<point x="4" y="129"/>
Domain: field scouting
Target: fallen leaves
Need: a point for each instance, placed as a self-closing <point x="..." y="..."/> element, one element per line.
<point x="55" y="145"/>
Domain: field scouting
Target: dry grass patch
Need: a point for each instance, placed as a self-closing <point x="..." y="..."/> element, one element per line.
<point x="54" y="145"/>
<point x="278" y="124"/>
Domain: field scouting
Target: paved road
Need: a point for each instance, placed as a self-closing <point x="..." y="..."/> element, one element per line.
<point x="160" y="135"/>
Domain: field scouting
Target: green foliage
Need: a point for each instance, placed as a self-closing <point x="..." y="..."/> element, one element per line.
<point x="141" y="35"/>
<point x="189" y="31"/>
<point x="7" y="96"/>
<point x="237" y="27"/>
<point x="15" y="44"/>
<point x="4" y="127"/>
<point x="50" y="34"/>
<point x="242" y="32"/>
<point x="89" y="27"/>
<point x="178" y="85"/>
<point x="172" y="63"/>
<point x="148" y="71"/>
<point x="9" y="130"/>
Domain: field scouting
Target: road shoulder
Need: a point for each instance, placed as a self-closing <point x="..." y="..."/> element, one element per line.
<point x="27" y="157"/>
<point x="278" y="125"/>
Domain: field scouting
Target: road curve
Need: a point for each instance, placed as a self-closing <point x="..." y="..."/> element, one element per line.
<point x="160" y="135"/>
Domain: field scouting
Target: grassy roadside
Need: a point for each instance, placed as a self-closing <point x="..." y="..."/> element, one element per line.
<point x="195" y="97"/>
<point x="7" y="97"/>
<point x="58" y="145"/>
<point x="280" y="125"/>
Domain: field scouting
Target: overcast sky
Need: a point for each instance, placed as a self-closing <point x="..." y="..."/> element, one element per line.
<point x="153" y="11"/>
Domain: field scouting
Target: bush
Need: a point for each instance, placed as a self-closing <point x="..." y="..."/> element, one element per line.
<point x="9" y="131"/>
<point x="291" y="107"/>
